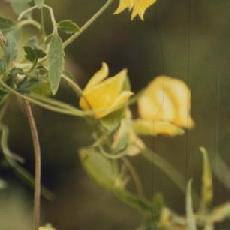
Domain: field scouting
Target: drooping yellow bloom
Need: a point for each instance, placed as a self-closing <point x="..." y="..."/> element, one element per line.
<point x="46" y="228"/>
<point x="138" y="7"/>
<point x="164" y="107"/>
<point x="105" y="96"/>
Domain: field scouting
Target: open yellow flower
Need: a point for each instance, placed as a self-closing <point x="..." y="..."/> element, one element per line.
<point x="105" y="96"/>
<point x="138" y="7"/>
<point x="164" y="107"/>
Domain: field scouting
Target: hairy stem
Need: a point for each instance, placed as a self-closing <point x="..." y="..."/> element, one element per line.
<point x="88" y="23"/>
<point x="37" y="156"/>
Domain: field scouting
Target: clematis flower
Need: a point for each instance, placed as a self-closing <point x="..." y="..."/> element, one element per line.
<point x="164" y="108"/>
<point x="105" y="96"/>
<point x="138" y="7"/>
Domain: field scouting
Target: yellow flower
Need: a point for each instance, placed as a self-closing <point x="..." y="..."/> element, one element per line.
<point x="138" y="7"/>
<point x="105" y="96"/>
<point x="46" y="228"/>
<point x="164" y="107"/>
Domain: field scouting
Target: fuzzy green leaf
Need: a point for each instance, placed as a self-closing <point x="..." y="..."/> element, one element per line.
<point x="191" y="222"/>
<point x="55" y="62"/>
<point x="6" y="24"/>
<point x="39" y="3"/>
<point x="33" y="54"/>
<point x="19" y="5"/>
<point x="68" y="27"/>
<point x="10" y="47"/>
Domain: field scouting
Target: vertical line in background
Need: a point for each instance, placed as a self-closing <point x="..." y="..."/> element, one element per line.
<point x="162" y="70"/>
<point x="160" y="34"/>
<point x="189" y="43"/>
<point x="218" y="110"/>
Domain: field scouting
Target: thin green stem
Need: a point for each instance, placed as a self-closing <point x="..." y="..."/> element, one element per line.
<point x="76" y="88"/>
<point x="72" y="112"/>
<point x="88" y="23"/>
<point x="165" y="167"/>
<point x="38" y="163"/>
<point x="26" y="12"/>
<point x="53" y="20"/>
<point x="134" y="175"/>
<point x="12" y="158"/>
<point x="29" y="23"/>
<point x="42" y="21"/>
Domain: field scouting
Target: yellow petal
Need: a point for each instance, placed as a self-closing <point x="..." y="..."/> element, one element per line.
<point x="106" y="96"/>
<point x="140" y="6"/>
<point x="144" y="127"/>
<point x="46" y="228"/>
<point x="124" y="4"/>
<point x="119" y="102"/>
<point x="180" y="96"/>
<point x="167" y="99"/>
<point x="155" y="104"/>
<point x="99" y="76"/>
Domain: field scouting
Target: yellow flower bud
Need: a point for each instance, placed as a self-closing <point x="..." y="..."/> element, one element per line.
<point x="105" y="96"/>
<point x="164" y="107"/>
<point x="46" y="228"/>
<point x="138" y="7"/>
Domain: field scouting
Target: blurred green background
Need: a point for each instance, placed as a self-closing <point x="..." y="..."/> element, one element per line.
<point x="189" y="43"/>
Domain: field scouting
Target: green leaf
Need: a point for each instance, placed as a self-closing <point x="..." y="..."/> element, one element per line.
<point x="99" y="168"/>
<point x="19" y="5"/>
<point x="6" y="24"/>
<point x="113" y="120"/>
<point x="55" y="62"/>
<point x="39" y="3"/>
<point x="33" y="54"/>
<point x="68" y="27"/>
<point x="10" y="47"/>
<point x="206" y="193"/>
<point x="191" y="221"/>
<point x="2" y="66"/>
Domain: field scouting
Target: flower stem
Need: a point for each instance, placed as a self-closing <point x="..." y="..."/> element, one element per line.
<point x="60" y="108"/>
<point x="29" y="22"/>
<point x="37" y="156"/>
<point x="88" y="23"/>
<point x="25" y="12"/>
<point x="165" y="167"/>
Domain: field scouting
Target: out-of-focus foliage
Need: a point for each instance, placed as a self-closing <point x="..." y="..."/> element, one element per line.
<point x="161" y="45"/>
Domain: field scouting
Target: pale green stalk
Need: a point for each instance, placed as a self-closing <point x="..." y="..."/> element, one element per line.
<point x="88" y="23"/>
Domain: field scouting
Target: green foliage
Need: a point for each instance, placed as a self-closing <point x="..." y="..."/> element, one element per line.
<point x="101" y="169"/>
<point x="10" y="49"/>
<point x="68" y="27"/>
<point x="13" y="160"/>
<point x="19" y="5"/>
<point x="38" y="73"/>
<point x="191" y="222"/>
<point x="39" y="3"/>
<point x="33" y="54"/>
<point x="55" y="62"/>
<point x="6" y="24"/>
